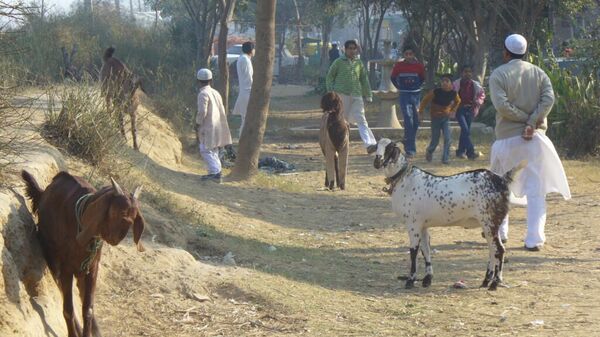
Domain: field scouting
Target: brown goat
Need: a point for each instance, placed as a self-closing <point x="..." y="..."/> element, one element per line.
<point x="119" y="86"/>
<point x="334" y="138"/>
<point x="73" y="221"/>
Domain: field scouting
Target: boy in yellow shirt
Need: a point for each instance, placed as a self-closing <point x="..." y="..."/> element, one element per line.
<point x="442" y="102"/>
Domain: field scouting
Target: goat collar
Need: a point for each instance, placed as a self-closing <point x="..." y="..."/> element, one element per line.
<point x="80" y="207"/>
<point x="396" y="178"/>
<point x="96" y="244"/>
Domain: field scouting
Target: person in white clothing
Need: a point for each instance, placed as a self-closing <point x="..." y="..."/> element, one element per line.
<point x="212" y="130"/>
<point x="244" y="72"/>
<point x="523" y="97"/>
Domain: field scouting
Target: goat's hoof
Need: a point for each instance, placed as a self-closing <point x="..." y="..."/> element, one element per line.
<point x="484" y="284"/>
<point x="427" y="280"/>
<point x="493" y="286"/>
<point x="410" y="283"/>
<point x="342" y="187"/>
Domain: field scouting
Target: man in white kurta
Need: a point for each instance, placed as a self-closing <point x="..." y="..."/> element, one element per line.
<point x="523" y="97"/>
<point x="244" y="72"/>
<point x="212" y="129"/>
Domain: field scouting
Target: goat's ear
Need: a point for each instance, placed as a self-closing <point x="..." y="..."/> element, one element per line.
<point x="138" y="229"/>
<point x="93" y="216"/>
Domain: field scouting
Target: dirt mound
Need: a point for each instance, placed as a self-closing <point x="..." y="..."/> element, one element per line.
<point x="30" y="302"/>
<point x="157" y="138"/>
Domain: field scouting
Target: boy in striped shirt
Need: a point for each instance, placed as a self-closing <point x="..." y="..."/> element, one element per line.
<point x="408" y="76"/>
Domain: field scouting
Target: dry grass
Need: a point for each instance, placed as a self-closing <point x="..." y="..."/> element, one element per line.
<point x="77" y="122"/>
<point x="337" y="257"/>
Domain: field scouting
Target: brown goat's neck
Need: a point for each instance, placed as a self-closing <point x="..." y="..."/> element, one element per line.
<point x="80" y="207"/>
<point x="96" y="244"/>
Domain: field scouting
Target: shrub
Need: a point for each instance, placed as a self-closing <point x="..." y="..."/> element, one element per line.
<point x="78" y="122"/>
<point x="574" y="122"/>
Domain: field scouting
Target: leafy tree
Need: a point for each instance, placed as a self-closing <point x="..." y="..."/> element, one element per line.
<point x="201" y="14"/>
<point x="428" y="34"/>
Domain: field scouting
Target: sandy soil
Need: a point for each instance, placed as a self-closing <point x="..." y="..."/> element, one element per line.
<point x="327" y="262"/>
<point x="318" y="263"/>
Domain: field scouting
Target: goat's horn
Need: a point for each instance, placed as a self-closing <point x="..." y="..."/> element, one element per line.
<point x="137" y="192"/>
<point x="118" y="190"/>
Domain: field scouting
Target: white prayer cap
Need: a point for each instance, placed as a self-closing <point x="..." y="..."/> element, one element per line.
<point x="516" y="44"/>
<point x="204" y="74"/>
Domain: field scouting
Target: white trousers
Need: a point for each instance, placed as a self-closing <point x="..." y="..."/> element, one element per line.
<point x="211" y="157"/>
<point x="241" y="107"/>
<point x="536" y="222"/>
<point x="354" y="112"/>
<point x="543" y="174"/>
<point x="242" y="125"/>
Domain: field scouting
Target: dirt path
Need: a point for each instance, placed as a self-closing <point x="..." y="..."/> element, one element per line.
<point x="327" y="263"/>
<point x="318" y="263"/>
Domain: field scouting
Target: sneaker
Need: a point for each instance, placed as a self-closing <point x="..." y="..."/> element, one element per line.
<point x="461" y="156"/>
<point x="428" y="156"/>
<point x="446" y="162"/>
<point x="475" y="155"/>
<point x="371" y="148"/>
<point x="212" y="177"/>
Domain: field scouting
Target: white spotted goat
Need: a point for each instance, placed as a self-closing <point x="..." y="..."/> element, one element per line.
<point x="468" y="199"/>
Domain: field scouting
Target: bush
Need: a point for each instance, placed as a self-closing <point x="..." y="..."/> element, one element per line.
<point x="575" y="119"/>
<point x="82" y="126"/>
<point x="574" y="122"/>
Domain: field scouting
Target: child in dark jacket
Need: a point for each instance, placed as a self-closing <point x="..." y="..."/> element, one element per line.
<point x="443" y="102"/>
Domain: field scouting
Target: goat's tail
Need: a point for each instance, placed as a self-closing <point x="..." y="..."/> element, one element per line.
<point x="33" y="190"/>
<point x="511" y="175"/>
<point x="108" y="53"/>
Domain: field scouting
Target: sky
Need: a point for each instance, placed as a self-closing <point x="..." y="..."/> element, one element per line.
<point x="60" y="5"/>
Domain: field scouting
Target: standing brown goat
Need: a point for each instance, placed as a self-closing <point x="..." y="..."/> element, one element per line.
<point x="119" y="86"/>
<point x="334" y="139"/>
<point x="73" y="221"/>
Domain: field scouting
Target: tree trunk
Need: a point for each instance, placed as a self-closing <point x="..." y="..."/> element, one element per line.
<point x="156" y="16"/>
<point x="480" y="56"/>
<point x="324" y="62"/>
<point x="42" y="10"/>
<point x="366" y="44"/>
<point x="118" y="7"/>
<point x="87" y="6"/>
<point x="199" y="43"/>
<point x="227" y="7"/>
<point x="280" y="77"/>
<point x="131" y="8"/>
<point x="246" y="164"/>
<point x="300" y="64"/>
